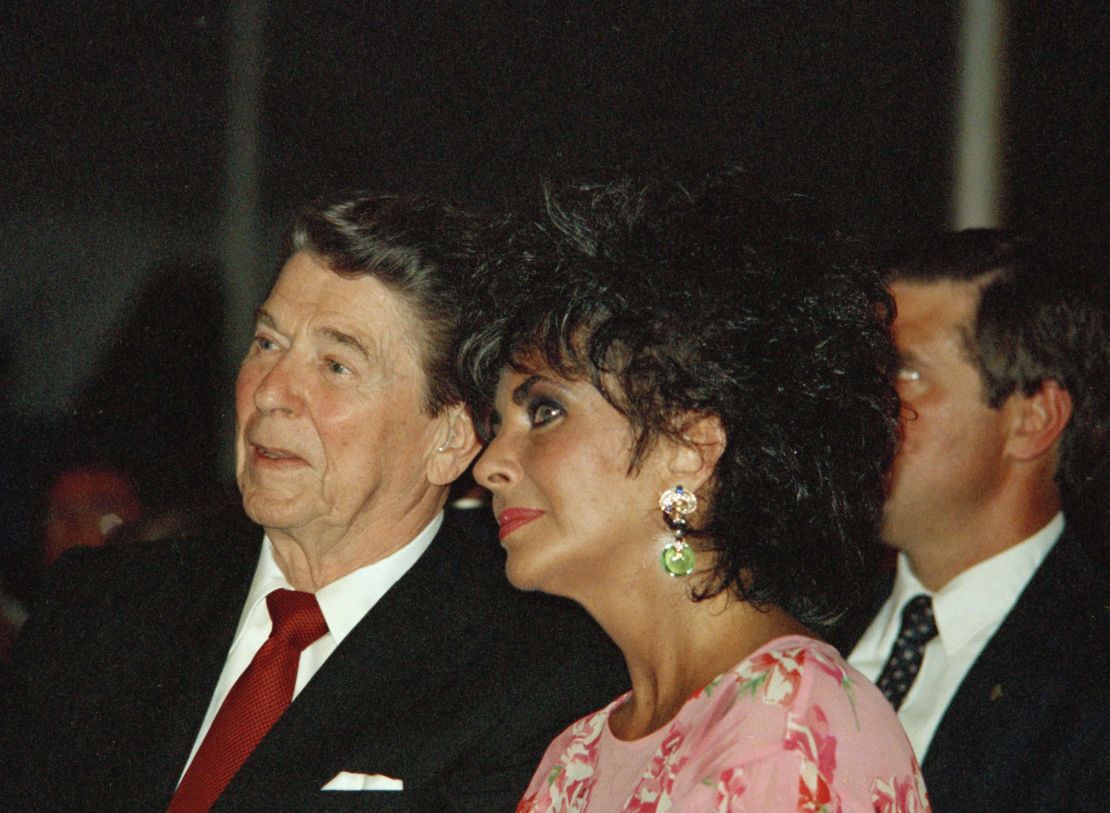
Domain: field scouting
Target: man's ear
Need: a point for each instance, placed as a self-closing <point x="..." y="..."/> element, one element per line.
<point x="694" y="455"/>
<point x="457" y="445"/>
<point x="1038" y="420"/>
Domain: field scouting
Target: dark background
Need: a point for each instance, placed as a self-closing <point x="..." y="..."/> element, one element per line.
<point x="113" y="302"/>
<point x="120" y="104"/>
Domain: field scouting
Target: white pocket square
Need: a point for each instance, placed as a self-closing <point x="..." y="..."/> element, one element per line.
<point x="344" y="780"/>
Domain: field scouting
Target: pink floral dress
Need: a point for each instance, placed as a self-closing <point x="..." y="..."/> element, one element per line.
<point x="790" y="728"/>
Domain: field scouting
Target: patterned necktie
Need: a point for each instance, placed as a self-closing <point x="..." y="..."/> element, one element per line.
<point x="918" y="628"/>
<point x="255" y="702"/>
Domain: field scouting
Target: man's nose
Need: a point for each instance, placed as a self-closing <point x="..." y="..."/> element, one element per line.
<point x="281" y="389"/>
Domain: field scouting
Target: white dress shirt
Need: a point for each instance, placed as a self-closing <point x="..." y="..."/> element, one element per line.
<point x="968" y="611"/>
<point x="344" y="602"/>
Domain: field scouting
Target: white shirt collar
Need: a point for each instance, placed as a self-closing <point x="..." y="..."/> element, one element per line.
<point x="982" y="595"/>
<point x="345" y="601"/>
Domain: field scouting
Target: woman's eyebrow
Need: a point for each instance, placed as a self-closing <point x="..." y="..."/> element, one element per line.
<point x="520" y="392"/>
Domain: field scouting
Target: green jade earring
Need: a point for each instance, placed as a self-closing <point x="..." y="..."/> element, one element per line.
<point x="678" y="556"/>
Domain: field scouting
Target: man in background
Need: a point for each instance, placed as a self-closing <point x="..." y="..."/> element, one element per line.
<point x="994" y="640"/>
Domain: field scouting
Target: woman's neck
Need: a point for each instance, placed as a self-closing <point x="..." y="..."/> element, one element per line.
<point x="674" y="646"/>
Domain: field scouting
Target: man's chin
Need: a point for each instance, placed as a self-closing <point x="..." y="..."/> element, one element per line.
<point x="273" y="510"/>
<point x="896" y="531"/>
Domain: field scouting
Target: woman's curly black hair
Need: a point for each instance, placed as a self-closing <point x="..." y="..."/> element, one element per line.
<point x="726" y="301"/>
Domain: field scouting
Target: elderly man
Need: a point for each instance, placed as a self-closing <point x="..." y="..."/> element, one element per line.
<point x="994" y="641"/>
<point x="160" y="675"/>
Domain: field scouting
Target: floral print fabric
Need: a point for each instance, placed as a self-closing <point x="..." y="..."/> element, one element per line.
<point x="791" y="728"/>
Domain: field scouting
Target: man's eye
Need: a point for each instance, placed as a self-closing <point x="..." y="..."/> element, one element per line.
<point x="265" y="344"/>
<point x="338" y="368"/>
<point x="908" y="374"/>
<point x="543" y="411"/>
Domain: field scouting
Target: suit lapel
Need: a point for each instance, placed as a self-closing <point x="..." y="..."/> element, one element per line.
<point x="1006" y="697"/>
<point x="390" y="662"/>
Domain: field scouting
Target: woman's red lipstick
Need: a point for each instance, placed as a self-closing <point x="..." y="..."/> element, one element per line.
<point x="512" y="518"/>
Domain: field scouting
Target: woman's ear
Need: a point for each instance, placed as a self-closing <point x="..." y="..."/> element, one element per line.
<point x="1038" y="420"/>
<point x="458" y="444"/>
<point x="694" y="454"/>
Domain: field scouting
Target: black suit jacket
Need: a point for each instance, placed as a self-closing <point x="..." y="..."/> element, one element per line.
<point x="1029" y="727"/>
<point x="454" y="682"/>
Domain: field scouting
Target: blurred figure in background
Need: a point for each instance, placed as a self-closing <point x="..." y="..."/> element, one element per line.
<point x="149" y="407"/>
<point x="84" y="506"/>
<point x="993" y="641"/>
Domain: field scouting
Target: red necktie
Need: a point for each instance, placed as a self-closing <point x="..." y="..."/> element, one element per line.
<point x="255" y="702"/>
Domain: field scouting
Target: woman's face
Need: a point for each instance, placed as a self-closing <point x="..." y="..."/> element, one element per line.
<point x="572" y="517"/>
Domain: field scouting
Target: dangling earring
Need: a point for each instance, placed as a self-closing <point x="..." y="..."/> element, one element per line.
<point x="678" y="556"/>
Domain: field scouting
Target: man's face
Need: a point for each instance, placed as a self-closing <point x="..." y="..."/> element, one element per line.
<point x="949" y="467"/>
<point x="330" y="425"/>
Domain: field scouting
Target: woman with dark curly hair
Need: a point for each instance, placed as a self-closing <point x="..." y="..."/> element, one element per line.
<point x="691" y="423"/>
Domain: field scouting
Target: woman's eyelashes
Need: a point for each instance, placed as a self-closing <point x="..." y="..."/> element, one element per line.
<point x="542" y="410"/>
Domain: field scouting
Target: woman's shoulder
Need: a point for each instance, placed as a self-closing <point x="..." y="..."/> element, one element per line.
<point x="792" y="687"/>
<point x="801" y="674"/>
<point x="581" y="739"/>
<point x="796" y="700"/>
<point x="791" y="675"/>
<point x="784" y="673"/>
<point x="567" y="768"/>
